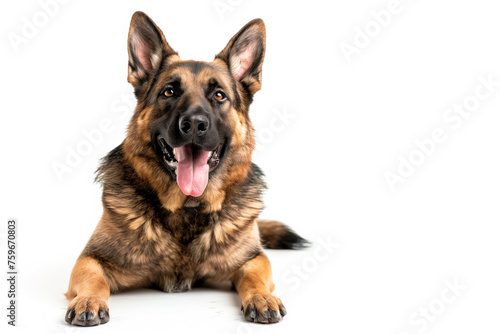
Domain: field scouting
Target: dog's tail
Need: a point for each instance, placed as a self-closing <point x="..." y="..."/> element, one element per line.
<point x="276" y="235"/>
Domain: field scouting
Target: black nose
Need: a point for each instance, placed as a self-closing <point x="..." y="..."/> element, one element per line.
<point x="194" y="124"/>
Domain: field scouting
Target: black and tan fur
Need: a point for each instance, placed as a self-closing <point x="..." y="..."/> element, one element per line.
<point x="151" y="235"/>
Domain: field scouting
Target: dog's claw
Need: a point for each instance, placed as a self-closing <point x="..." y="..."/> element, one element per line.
<point x="249" y="313"/>
<point x="70" y="315"/>
<point x="87" y="312"/>
<point x="263" y="309"/>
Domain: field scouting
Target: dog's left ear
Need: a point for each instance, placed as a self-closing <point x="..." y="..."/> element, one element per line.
<point x="146" y="48"/>
<point x="244" y="54"/>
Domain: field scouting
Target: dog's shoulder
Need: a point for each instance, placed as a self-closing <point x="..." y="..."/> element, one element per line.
<point x="113" y="167"/>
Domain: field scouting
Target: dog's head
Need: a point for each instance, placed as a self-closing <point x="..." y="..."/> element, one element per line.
<point x="192" y="116"/>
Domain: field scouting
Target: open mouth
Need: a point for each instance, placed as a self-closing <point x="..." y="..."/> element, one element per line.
<point x="192" y="165"/>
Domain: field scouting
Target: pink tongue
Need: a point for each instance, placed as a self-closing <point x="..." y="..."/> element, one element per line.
<point x="192" y="170"/>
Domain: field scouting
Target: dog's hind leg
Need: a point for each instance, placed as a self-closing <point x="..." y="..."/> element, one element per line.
<point x="253" y="281"/>
<point x="88" y="293"/>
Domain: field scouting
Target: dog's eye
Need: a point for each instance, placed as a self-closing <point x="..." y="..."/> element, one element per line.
<point x="219" y="96"/>
<point x="169" y="92"/>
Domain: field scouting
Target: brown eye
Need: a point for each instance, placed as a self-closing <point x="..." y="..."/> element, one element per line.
<point x="219" y="96"/>
<point x="169" y="92"/>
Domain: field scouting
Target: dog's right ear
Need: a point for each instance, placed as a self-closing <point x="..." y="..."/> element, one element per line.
<point x="146" y="49"/>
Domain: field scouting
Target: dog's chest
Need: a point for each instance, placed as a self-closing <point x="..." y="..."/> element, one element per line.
<point x="189" y="246"/>
<point x="210" y="256"/>
<point x="186" y="249"/>
<point x="188" y="223"/>
<point x="184" y="265"/>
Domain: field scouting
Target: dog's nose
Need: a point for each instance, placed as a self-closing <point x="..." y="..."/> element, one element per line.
<point x="194" y="124"/>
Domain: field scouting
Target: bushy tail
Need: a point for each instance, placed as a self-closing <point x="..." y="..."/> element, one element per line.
<point x="276" y="235"/>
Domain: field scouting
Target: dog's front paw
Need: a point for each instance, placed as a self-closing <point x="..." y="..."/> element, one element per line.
<point x="263" y="308"/>
<point x="87" y="311"/>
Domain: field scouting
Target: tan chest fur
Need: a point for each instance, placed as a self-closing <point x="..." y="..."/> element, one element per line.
<point x="174" y="254"/>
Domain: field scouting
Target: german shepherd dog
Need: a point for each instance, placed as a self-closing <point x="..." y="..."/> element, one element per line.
<point x="181" y="195"/>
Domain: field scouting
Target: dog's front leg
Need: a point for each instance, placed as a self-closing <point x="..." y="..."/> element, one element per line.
<point x="88" y="293"/>
<point x="253" y="281"/>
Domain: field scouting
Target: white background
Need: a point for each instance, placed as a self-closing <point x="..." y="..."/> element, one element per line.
<point x="349" y="123"/>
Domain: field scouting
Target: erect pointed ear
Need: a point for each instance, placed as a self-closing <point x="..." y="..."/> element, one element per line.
<point x="146" y="48"/>
<point x="244" y="54"/>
